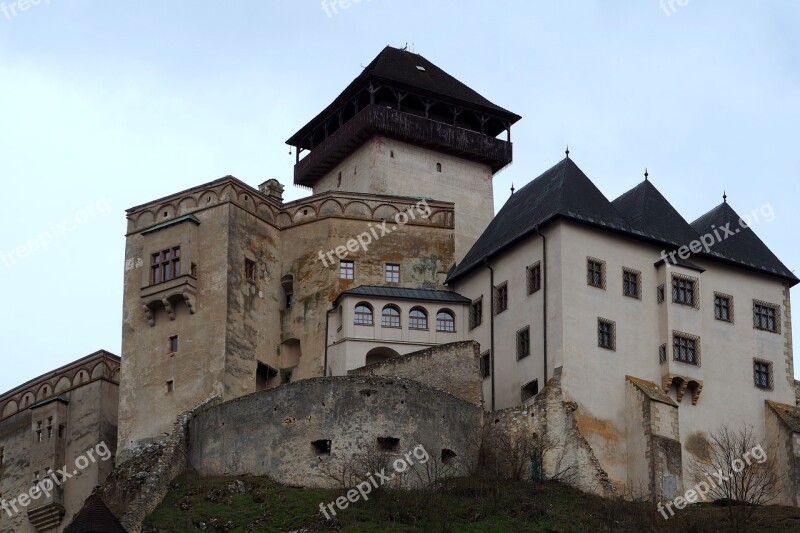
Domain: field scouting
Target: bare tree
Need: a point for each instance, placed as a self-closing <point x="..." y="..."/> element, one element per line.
<point x="738" y="472"/>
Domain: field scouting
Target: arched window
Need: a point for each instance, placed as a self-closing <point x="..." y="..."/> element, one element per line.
<point x="363" y="315"/>
<point x="418" y="319"/>
<point x="390" y="318"/>
<point x="445" y="321"/>
<point x="438" y="167"/>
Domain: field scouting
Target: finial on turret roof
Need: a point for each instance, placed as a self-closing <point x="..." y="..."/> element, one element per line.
<point x="567" y="151"/>
<point x="646" y="174"/>
<point x="725" y="197"/>
<point x="512" y="187"/>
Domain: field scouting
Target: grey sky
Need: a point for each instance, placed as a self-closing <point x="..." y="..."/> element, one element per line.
<point x="105" y="105"/>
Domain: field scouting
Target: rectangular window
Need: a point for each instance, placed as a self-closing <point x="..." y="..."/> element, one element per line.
<point x="392" y="273"/>
<point x="170" y="386"/>
<point x="606" y="334"/>
<point x="347" y="269"/>
<point x="660" y="293"/>
<point x="49" y="427"/>
<point x="766" y="316"/>
<point x="662" y="354"/>
<point x="523" y="342"/>
<point x="684" y="290"/>
<point x="38" y="432"/>
<point x="762" y="374"/>
<point x="632" y="283"/>
<point x="529" y="390"/>
<point x="534" y="277"/>
<point x="250" y="270"/>
<point x="686" y="348"/>
<point x="723" y="307"/>
<point x="165" y="265"/>
<point x="501" y="298"/>
<point x="596" y="273"/>
<point x="476" y="313"/>
<point x="485" y="365"/>
<point x="173" y="344"/>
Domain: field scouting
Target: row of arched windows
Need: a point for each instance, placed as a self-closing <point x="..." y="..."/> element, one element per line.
<point x="417" y="318"/>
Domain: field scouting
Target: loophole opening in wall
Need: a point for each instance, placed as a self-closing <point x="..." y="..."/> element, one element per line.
<point x="389" y="444"/>
<point x="448" y="456"/>
<point x="322" y="447"/>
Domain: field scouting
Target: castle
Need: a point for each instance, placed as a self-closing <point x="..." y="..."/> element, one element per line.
<point x="393" y="293"/>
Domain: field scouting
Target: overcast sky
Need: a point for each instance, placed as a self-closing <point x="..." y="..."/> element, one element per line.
<point x="105" y="105"/>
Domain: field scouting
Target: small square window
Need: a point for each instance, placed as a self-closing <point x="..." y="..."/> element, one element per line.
<point x="523" y="342"/>
<point x="534" y="277"/>
<point x="322" y="446"/>
<point x="632" y="283"/>
<point x="347" y="269"/>
<point x="606" y="334"/>
<point x="762" y="374"/>
<point x="173" y="344"/>
<point x="476" y="313"/>
<point x="485" y="365"/>
<point x="723" y="307"/>
<point x="501" y="298"/>
<point x="596" y="273"/>
<point x="392" y="273"/>
<point x="766" y="316"/>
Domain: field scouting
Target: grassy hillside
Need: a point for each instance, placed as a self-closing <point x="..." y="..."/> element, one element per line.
<point x="254" y="504"/>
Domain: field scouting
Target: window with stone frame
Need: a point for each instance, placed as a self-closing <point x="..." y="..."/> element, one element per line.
<point x="523" y="342"/>
<point x="165" y="265"/>
<point x="723" y="307"/>
<point x="606" y="334"/>
<point x="250" y="270"/>
<point x="534" y="277"/>
<point x="762" y="374"/>
<point x="685" y="290"/>
<point x="662" y="354"/>
<point x="476" y="313"/>
<point x="632" y="283"/>
<point x="501" y="298"/>
<point x="766" y="316"/>
<point x="660" y="294"/>
<point x="392" y="273"/>
<point x="686" y="348"/>
<point x="596" y="272"/>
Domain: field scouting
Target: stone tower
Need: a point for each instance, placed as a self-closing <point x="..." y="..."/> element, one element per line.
<point x="405" y="127"/>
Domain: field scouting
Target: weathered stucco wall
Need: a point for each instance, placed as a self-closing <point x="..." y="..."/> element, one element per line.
<point x="273" y="432"/>
<point x="452" y="368"/>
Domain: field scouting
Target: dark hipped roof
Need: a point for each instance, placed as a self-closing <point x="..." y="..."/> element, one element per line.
<point x="649" y="213"/>
<point x="743" y="248"/>
<point x="402" y="293"/>
<point x="399" y="68"/>
<point x="564" y="190"/>
<point x="643" y="213"/>
<point x="95" y="517"/>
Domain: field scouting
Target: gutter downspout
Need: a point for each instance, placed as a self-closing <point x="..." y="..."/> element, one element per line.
<point x="544" y="299"/>
<point x="491" y="323"/>
<point x="327" y="326"/>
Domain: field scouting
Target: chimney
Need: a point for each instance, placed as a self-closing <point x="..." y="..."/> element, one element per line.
<point x="273" y="189"/>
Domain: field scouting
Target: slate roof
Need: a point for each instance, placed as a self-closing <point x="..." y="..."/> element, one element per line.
<point x="398" y="68"/>
<point x="95" y="517"/>
<point x="563" y="190"/>
<point x="651" y="215"/>
<point x="642" y="212"/>
<point x="744" y="248"/>
<point x="402" y="293"/>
